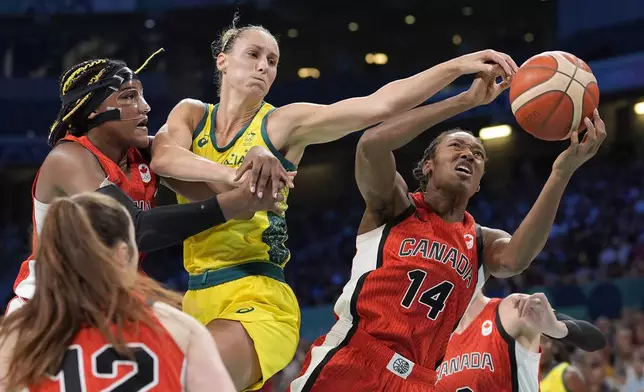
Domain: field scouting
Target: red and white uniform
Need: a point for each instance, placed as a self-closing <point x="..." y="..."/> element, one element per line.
<point x="412" y="280"/>
<point x="484" y="357"/>
<point x="92" y="364"/>
<point x="141" y="186"/>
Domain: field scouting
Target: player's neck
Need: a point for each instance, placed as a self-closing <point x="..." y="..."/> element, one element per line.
<point x="111" y="149"/>
<point x="234" y="112"/>
<point x="451" y="209"/>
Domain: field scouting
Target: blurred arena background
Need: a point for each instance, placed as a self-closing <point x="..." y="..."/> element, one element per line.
<point x="593" y="264"/>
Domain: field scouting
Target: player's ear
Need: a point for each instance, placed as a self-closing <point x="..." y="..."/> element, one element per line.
<point x="428" y="167"/>
<point x="122" y="253"/>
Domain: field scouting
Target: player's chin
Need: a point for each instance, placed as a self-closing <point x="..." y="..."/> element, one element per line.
<point x="139" y="138"/>
<point x="257" y="89"/>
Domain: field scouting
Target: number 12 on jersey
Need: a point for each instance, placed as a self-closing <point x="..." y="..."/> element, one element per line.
<point x="434" y="298"/>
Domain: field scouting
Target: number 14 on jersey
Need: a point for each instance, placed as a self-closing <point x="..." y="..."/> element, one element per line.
<point x="434" y="298"/>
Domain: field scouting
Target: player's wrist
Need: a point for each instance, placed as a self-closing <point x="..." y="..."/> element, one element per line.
<point x="562" y="174"/>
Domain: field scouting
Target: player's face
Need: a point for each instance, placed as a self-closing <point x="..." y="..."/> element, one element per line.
<point x="593" y="367"/>
<point x="251" y="66"/>
<point x="132" y="129"/>
<point x="458" y="164"/>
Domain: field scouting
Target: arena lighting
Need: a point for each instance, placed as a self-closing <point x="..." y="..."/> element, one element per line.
<point x="495" y="132"/>
<point x="304" y="73"/>
<point x="380" y="58"/>
<point x="639" y="108"/>
<point x="293" y="33"/>
<point x="353" y="26"/>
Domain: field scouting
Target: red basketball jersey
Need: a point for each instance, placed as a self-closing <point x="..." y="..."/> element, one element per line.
<point x="141" y="186"/>
<point x="484" y="357"/>
<point x="411" y="281"/>
<point x="92" y="364"/>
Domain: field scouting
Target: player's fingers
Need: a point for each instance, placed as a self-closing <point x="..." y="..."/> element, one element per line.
<point x="243" y="169"/>
<point x="262" y="181"/>
<point x="574" y="139"/>
<point x="277" y="179"/>
<point x="286" y="177"/>
<point x="290" y="177"/>
<point x="599" y="125"/>
<point x="495" y="56"/>
<point x="510" y="61"/>
<point x="495" y="71"/>
<point x="591" y="132"/>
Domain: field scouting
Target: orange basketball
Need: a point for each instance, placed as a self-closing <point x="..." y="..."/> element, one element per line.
<point x="552" y="93"/>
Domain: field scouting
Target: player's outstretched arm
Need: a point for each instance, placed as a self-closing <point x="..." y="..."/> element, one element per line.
<point x="375" y="164"/>
<point x="526" y="317"/>
<point x="161" y="227"/>
<point x="507" y="255"/>
<point x="311" y="124"/>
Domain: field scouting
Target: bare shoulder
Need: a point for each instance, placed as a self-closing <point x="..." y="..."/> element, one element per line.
<point x="190" y="110"/>
<point x="68" y="154"/>
<point x="67" y="163"/>
<point x="191" y="104"/>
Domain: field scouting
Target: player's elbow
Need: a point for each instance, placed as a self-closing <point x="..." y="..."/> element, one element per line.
<point x="371" y="142"/>
<point x="161" y="162"/>
<point x="380" y="107"/>
<point x="505" y="266"/>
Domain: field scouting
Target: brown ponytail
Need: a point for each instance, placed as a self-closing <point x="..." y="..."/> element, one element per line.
<point x="78" y="284"/>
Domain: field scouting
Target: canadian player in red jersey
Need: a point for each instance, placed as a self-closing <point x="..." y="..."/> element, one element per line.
<point x="420" y="257"/>
<point x="100" y="137"/>
<point x="496" y="345"/>
<point x="96" y="324"/>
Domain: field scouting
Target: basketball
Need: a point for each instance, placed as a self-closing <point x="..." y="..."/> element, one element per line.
<point x="552" y="93"/>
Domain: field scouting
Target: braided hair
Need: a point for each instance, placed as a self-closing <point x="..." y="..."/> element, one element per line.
<point x="226" y="41"/>
<point x="73" y="114"/>
<point x="70" y="119"/>
<point x="430" y="153"/>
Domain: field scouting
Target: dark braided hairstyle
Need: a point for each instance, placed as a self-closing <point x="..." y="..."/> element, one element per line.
<point x="72" y="115"/>
<point x="70" y="119"/>
<point x="430" y="153"/>
<point x="226" y="42"/>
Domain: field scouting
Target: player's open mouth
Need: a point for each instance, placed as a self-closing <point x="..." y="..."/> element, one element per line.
<point x="143" y="124"/>
<point x="464" y="168"/>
